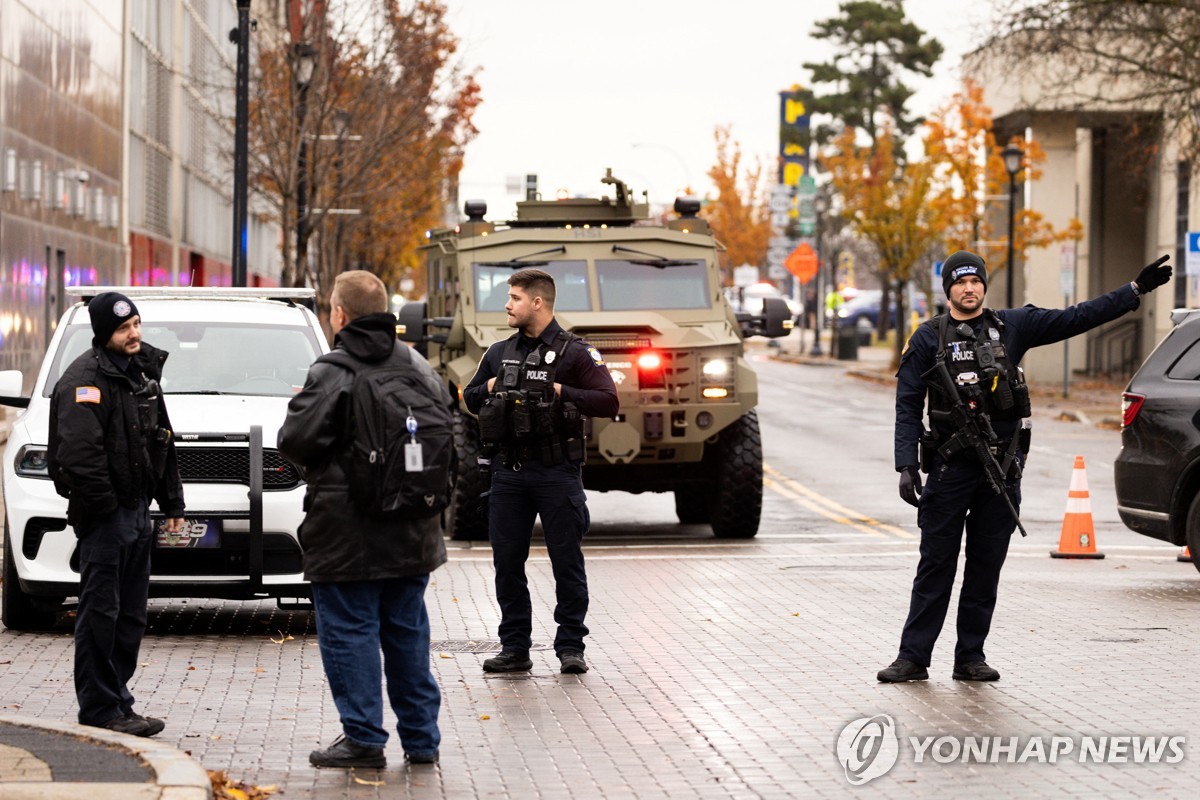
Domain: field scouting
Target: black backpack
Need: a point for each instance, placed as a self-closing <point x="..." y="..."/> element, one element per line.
<point x="384" y="397"/>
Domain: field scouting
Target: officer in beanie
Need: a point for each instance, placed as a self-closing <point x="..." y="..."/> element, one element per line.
<point x="111" y="452"/>
<point x="981" y="350"/>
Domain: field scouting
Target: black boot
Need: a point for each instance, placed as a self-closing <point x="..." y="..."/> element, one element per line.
<point x="509" y="661"/>
<point x="975" y="671"/>
<point x="902" y="670"/>
<point x="345" y="754"/>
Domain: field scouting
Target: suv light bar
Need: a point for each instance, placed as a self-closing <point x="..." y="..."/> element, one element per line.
<point x="256" y="292"/>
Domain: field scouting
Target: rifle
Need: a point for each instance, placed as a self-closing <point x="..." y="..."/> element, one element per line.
<point x="973" y="432"/>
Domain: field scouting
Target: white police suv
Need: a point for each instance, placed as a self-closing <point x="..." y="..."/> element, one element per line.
<point x="236" y="357"/>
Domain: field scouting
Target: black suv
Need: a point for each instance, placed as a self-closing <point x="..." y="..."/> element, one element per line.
<point x="1158" y="470"/>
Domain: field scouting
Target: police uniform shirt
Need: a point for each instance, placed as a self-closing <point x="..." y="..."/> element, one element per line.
<point x="584" y="377"/>
<point x="1023" y="329"/>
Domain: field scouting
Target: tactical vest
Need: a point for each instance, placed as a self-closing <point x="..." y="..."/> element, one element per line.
<point x="981" y="369"/>
<point x="523" y="416"/>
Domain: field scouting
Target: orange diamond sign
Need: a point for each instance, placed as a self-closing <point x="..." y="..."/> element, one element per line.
<point x="802" y="262"/>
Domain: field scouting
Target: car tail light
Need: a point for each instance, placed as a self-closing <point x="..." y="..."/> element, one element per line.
<point x="1131" y="404"/>
<point x="650" y="369"/>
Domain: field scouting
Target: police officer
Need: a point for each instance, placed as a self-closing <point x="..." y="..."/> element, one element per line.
<point x="110" y="452"/>
<point x="980" y="349"/>
<point x="531" y="393"/>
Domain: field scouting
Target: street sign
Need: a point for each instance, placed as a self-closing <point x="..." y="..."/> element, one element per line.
<point x="1066" y="270"/>
<point x="937" y="273"/>
<point x="803" y="263"/>
<point x="1192" y="259"/>
<point x="776" y="273"/>
<point x="745" y="275"/>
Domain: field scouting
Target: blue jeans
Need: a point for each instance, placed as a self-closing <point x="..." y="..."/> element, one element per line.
<point x="354" y="620"/>
<point x="517" y="498"/>
<point x="114" y="580"/>
<point x="957" y="496"/>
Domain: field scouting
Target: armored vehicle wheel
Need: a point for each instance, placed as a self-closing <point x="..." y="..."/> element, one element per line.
<point x="691" y="506"/>
<point x="21" y="612"/>
<point x="736" y="504"/>
<point x="469" y="512"/>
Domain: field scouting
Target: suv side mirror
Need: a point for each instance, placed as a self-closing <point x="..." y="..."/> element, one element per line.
<point x="774" y="321"/>
<point x="10" y="389"/>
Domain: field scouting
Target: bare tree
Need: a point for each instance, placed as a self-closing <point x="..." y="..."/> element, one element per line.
<point x="1117" y="54"/>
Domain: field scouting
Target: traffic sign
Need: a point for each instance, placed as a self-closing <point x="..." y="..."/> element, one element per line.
<point x="1192" y="259"/>
<point x="802" y="262"/>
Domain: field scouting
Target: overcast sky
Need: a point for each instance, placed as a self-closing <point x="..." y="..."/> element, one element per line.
<point x="640" y="85"/>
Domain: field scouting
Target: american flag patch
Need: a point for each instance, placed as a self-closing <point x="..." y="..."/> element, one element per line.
<point x="87" y="394"/>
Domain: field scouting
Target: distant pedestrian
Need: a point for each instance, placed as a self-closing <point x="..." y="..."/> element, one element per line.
<point x="368" y="572"/>
<point x="975" y="352"/>
<point x="532" y="392"/>
<point x="111" y="451"/>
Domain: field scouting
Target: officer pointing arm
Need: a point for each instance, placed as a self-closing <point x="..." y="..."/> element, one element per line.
<point x="974" y="451"/>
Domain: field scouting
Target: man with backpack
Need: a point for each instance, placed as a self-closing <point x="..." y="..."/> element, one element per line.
<point x="371" y="432"/>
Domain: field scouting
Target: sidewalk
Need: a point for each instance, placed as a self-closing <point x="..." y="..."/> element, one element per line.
<point x="49" y="760"/>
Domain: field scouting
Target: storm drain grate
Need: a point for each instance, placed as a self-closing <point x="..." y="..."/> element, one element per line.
<point x="470" y="646"/>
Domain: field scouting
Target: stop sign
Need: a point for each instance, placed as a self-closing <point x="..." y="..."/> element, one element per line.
<point x="802" y="262"/>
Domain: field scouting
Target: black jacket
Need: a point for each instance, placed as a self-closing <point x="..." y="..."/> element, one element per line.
<point x="101" y="453"/>
<point x="585" y="380"/>
<point x="339" y="543"/>
<point x="1024" y="329"/>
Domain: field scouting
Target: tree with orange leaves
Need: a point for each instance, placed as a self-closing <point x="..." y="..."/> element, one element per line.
<point x="355" y="162"/>
<point x="888" y="202"/>
<point x="960" y="141"/>
<point x="739" y="215"/>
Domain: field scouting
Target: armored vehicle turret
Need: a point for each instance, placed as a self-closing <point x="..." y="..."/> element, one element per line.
<point x="649" y="297"/>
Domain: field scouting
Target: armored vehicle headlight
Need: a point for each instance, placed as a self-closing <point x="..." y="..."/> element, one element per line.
<point x="716" y="368"/>
<point x="31" y="462"/>
<point x="715" y="392"/>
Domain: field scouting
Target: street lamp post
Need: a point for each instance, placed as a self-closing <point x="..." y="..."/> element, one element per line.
<point x="305" y="57"/>
<point x="1012" y="156"/>
<point x="341" y="122"/>
<point x="820" y="206"/>
<point x="241" y="36"/>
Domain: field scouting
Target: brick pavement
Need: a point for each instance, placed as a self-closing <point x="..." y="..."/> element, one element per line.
<point x="717" y="672"/>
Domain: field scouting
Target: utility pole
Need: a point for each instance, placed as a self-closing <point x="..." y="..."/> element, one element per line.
<point x="241" y="37"/>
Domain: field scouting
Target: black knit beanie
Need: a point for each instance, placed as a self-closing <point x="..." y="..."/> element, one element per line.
<point x="959" y="265"/>
<point x="109" y="312"/>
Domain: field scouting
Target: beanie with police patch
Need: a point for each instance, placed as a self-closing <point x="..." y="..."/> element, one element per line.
<point x="960" y="265"/>
<point x="109" y="312"/>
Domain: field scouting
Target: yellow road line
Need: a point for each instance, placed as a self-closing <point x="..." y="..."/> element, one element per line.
<point x="826" y="507"/>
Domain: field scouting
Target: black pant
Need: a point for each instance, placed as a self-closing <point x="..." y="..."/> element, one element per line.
<point x="517" y="497"/>
<point x="114" y="573"/>
<point x="958" y="495"/>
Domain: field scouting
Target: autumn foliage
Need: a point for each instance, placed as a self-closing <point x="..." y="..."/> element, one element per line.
<point x="358" y="163"/>
<point x="739" y="215"/>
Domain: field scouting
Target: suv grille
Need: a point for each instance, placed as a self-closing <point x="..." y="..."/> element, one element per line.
<point x="232" y="465"/>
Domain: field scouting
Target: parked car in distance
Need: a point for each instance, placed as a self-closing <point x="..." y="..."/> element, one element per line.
<point x="749" y="299"/>
<point x="235" y="359"/>
<point x="862" y="310"/>
<point x="1157" y="472"/>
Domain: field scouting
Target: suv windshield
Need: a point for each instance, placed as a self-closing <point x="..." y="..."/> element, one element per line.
<point x="633" y="286"/>
<point x="570" y="285"/>
<point x="214" y="357"/>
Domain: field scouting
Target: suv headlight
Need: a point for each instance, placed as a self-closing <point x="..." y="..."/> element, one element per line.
<point x="31" y="462"/>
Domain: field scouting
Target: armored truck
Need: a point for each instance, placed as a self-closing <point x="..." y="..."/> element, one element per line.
<point x="648" y="296"/>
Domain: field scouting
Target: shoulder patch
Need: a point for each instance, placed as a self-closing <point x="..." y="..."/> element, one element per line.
<point x="596" y="357"/>
<point x="87" y="394"/>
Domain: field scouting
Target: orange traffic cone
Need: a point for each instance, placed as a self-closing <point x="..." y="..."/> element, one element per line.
<point x="1078" y="539"/>
<point x="1186" y="555"/>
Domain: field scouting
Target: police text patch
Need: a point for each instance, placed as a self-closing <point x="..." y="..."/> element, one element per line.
<point x="87" y="394"/>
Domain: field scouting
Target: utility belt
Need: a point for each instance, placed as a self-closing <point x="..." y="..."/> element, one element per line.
<point x="953" y="447"/>
<point x="548" y="452"/>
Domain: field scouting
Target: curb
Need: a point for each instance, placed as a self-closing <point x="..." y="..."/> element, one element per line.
<point x="177" y="776"/>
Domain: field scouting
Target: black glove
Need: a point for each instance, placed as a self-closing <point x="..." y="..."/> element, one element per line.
<point x="910" y="485"/>
<point x="1153" y="276"/>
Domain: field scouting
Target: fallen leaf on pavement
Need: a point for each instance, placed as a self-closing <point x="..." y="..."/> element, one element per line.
<point x="283" y="637"/>
<point x="225" y="788"/>
<point x="366" y="782"/>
